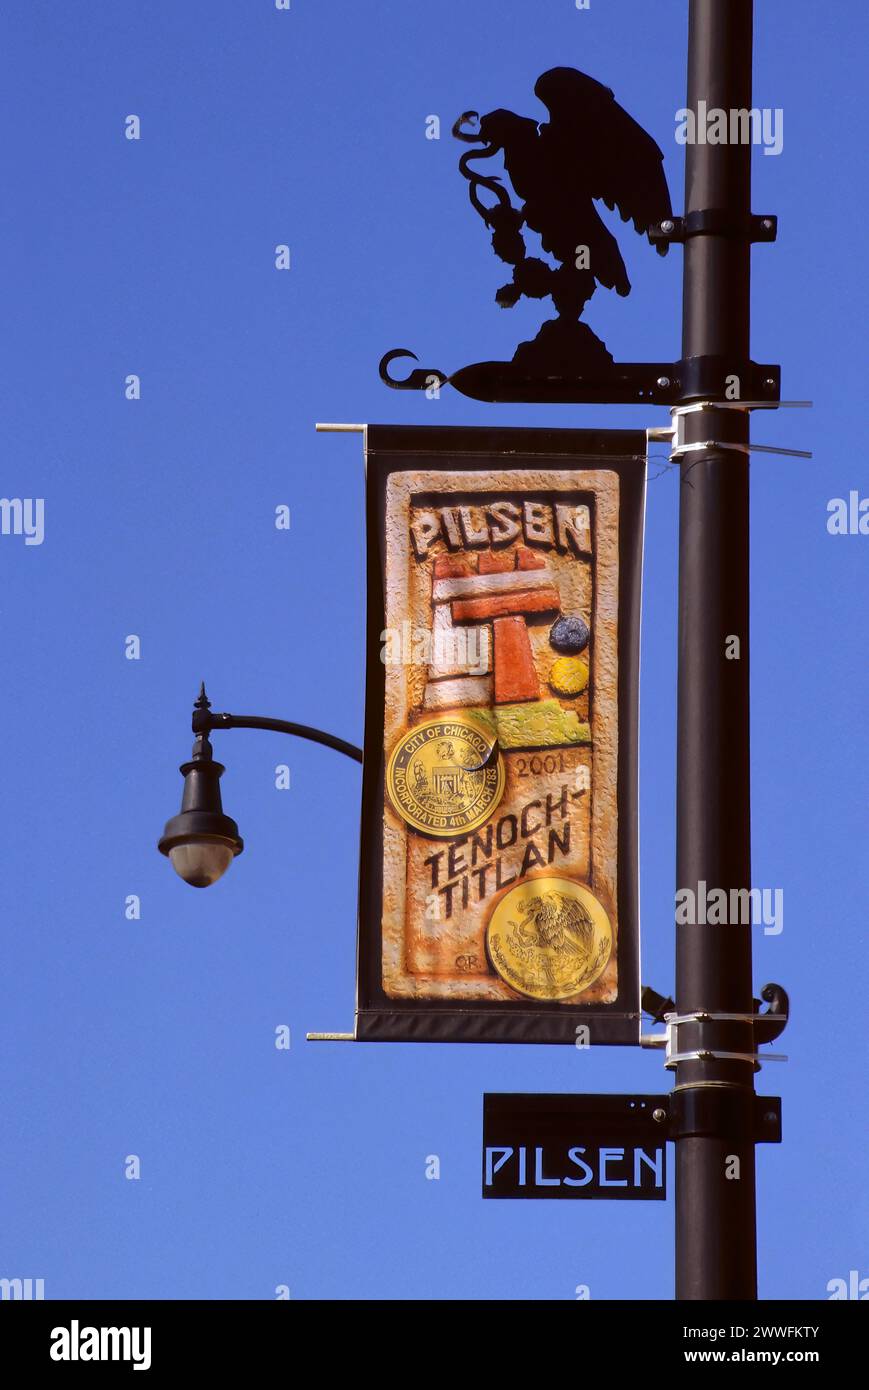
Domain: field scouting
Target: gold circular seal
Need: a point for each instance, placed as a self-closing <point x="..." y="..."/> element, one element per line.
<point x="549" y="937"/>
<point x="445" y="776"/>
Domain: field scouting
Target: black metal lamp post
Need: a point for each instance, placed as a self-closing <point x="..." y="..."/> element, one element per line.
<point x="201" y="841"/>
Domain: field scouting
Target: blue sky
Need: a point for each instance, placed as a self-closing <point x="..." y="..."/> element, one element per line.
<point x="156" y="257"/>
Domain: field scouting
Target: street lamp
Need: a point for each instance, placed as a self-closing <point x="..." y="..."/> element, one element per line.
<point x="201" y="842"/>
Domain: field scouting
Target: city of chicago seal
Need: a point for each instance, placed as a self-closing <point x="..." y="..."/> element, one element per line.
<point x="549" y="937"/>
<point x="446" y="776"/>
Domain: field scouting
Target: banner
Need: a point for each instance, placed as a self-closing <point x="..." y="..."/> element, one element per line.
<point x="498" y="883"/>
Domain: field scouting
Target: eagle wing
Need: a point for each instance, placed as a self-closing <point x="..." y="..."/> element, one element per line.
<point x="614" y="159"/>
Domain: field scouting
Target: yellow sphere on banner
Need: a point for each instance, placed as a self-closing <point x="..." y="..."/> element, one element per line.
<point x="569" y="675"/>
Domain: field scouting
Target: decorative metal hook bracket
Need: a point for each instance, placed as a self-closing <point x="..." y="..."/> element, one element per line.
<point x="622" y="383"/>
<point x="420" y="379"/>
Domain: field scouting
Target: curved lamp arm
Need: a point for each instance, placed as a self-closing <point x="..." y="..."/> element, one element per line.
<point x="204" y="720"/>
<point x="202" y="840"/>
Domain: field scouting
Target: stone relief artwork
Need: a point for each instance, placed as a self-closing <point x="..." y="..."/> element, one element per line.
<point x="501" y="736"/>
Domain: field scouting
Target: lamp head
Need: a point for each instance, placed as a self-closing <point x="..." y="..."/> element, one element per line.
<point x="201" y="842"/>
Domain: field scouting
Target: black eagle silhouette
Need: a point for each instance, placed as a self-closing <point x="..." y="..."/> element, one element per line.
<point x="589" y="150"/>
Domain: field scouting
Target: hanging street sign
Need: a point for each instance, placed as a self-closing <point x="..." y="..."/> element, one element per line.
<point x="498" y="890"/>
<point x="575" y="1147"/>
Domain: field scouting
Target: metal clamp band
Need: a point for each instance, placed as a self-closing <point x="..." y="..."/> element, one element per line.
<point x="668" y="1039"/>
<point x="708" y="1054"/>
<point x="721" y="222"/>
<point x="718" y="444"/>
<point x="726" y="1111"/>
<point x="705" y="1016"/>
<point x="694" y="406"/>
<point x="706" y="444"/>
<point x="680" y="448"/>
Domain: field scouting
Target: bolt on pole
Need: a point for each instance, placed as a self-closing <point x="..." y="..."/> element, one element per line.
<point x="716" y="1255"/>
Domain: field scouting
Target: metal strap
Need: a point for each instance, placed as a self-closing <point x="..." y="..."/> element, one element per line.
<point x="718" y="444"/>
<point x="668" y="1040"/>
<point x="739" y="405"/>
<point x="705" y="1053"/>
<point x="704" y="1016"/>
<point x="678" y="412"/>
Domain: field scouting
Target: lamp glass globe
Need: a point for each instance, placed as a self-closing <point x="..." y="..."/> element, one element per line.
<point x="201" y="862"/>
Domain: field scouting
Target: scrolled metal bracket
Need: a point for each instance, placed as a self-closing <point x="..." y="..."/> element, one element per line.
<point x="772" y="1023"/>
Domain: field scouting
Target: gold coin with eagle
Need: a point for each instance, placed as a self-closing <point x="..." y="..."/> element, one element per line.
<point x="549" y="937"/>
<point x="446" y="776"/>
